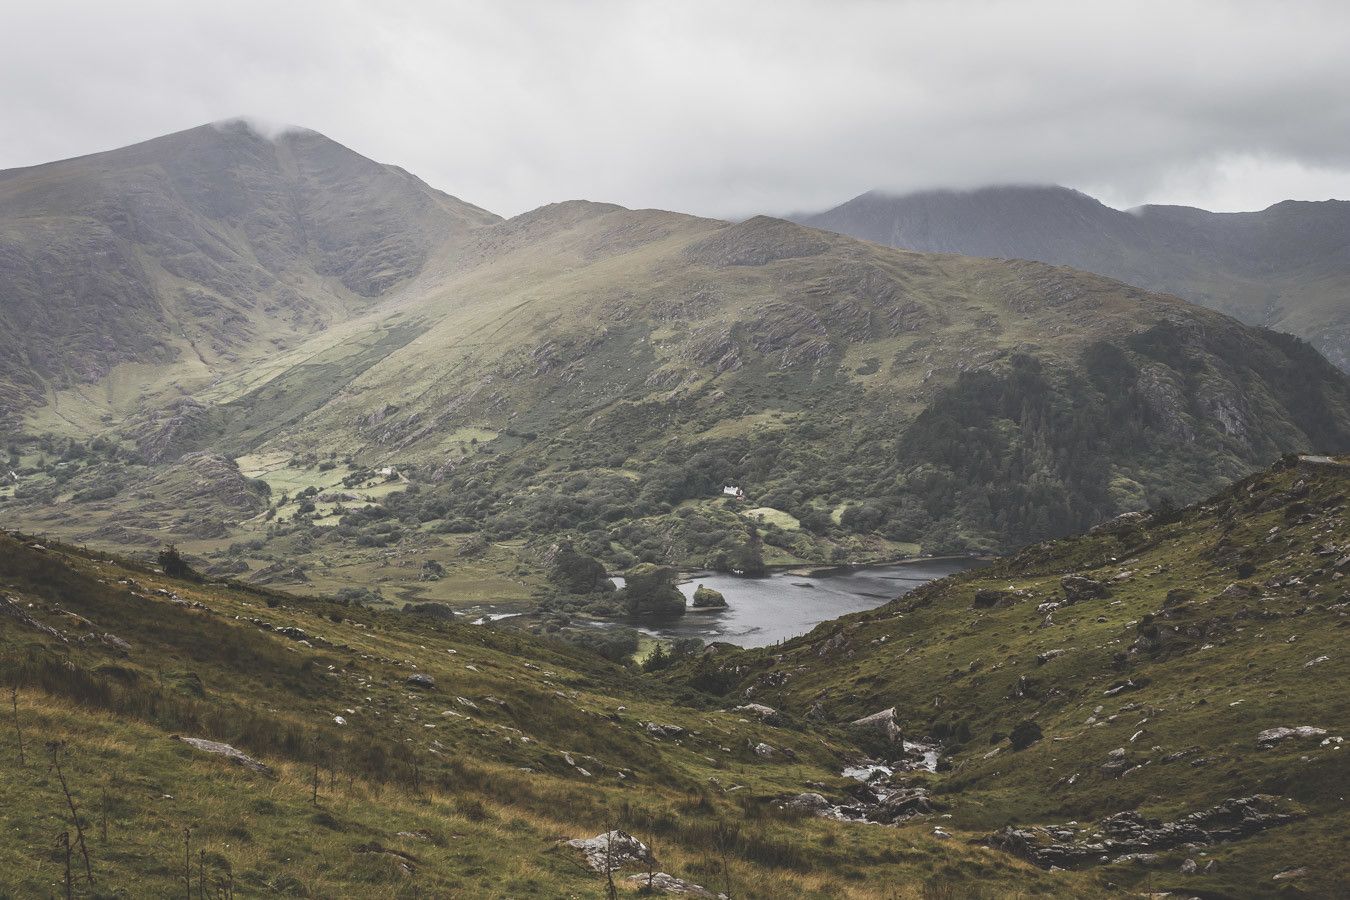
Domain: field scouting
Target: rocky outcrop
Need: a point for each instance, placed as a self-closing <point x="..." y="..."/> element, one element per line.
<point x="612" y="850"/>
<point x="1272" y="736"/>
<point x="992" y="598"/>
<point x="766" y="714"/>
<point x="1128" y="833"/>
<point x="421" y="680"/>
<point x="1078" y="588"/>
<point x="669" y="884"/>
<point x="218" y="749"/>
<point x="181" y="427"/>
<point x="881" y="724"/>
<point x="11" y="610"/>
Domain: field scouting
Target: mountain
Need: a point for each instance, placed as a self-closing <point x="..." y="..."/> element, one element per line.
<point x="1286" y="267"/>
<point x="159" y="266"/>
<point x="1178" y="666"/>
<point x="1078" y="720"/>
<point x="594" y="375"/>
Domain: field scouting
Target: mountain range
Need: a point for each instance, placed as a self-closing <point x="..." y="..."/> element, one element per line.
<point x="1286" y="267"/>
<point x="305" y="366"/>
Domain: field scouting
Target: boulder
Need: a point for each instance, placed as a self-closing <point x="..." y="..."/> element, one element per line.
<point x="807" y="802"/>
<point x="663" y="731"/>
<point x="613" y="850"/>
<point x="707" y="598"/>
<point x="669" y="884"/>
<point x="764" y="751"/>
<point x="1122" y="522"/>
<point x="421" y="680"/>
<point x="1078" y="588"/>
<point x="235" y="756"/>
<point x="881" y="723"/>
<point x="1272" y="736"/>
<point x="764" y="713"/>
<point x="992" y="598"/>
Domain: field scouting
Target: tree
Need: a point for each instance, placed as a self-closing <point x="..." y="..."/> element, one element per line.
<point x="173" y="564"/>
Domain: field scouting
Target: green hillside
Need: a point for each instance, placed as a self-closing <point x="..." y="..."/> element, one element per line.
<point x="1139" y="668"/>
<point x="395" y="755"/>
<point x="1179" y="667"/>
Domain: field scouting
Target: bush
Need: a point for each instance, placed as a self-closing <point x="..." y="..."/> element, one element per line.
<point x="1024" y="734"/>
<point x="173" y="564"/>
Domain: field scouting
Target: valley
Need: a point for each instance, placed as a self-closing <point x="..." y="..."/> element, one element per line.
<point x="357" y="541"/>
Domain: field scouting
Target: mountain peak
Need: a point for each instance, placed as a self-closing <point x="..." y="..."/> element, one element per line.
<point x="259" y="126"/>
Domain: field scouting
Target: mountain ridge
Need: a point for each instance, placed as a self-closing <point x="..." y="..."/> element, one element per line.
<point x="1287" y="266"/>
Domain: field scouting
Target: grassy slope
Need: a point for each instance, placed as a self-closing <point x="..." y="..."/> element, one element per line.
<point x="942" y="663"/>
<point x="487" y="785"/>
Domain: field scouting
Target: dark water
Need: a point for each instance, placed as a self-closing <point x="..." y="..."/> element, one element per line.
<point x="765" y="610"/>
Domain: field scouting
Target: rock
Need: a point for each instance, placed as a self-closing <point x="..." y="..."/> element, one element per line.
<point x="1239" y="591"/>
<point x="669" y="884"/>
<point x="613" y="850"/>
<point x="1043" y="658"/>
<point x="1290" y="874"/>
<point x="115" y="643"/>
<point x="882" y="723"/>
<point x="991" y="598"/>
<point x="1122" y="522"/>
<point x="764" y="751"/>
<point x="808" y="802"/>
<point x="664" y="731"/>
<point x="1131" y="685"/>
<point x="295" y="634"/>
<point x="1128" y="836"/>
<point x="759" y="710"/>
<point x="12" y="610"/>
<point x="421" y="680"/>
<point x="1116" y="762"/>
<point x="235" y="756"/>
<point x="707" y="598"/>
<point x="902" y="804"/>
<point x="1078" y="588"/>
<point x="1273" y="736"/>
<point x="1188" y="867"/>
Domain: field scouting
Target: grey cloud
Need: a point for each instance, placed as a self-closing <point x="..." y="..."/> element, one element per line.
<point x="721" y="108"/>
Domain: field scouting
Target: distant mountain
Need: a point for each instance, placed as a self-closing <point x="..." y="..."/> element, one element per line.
<point x="1286" y="267"/>
<point x="192" y="254"/>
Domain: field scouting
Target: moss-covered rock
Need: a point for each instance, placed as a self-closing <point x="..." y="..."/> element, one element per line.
<point x="707" y="598"/>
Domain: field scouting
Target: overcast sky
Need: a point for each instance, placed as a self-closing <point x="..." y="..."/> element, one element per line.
<point x="722" y="108"/>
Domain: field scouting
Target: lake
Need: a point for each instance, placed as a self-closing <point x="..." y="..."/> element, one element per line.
<point x="764" y="611"/>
